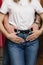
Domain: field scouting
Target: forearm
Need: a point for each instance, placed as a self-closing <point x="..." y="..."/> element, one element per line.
<point x="10" y="28"/>
<point x="38" y="21"/>
<point x="41" y="15"/>
<point x="38" y="18"/>
<point x="2" y="29"/>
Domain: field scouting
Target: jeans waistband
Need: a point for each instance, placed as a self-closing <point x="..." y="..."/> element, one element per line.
<point x="24" y="31"/>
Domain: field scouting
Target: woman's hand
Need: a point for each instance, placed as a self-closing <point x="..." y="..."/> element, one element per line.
<point x="14" y="38"/>
<point x="35" y="34"/>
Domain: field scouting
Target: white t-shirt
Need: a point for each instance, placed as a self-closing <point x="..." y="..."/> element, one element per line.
<point x="21" y="14"/>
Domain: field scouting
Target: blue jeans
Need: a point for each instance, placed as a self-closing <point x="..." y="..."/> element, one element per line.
<point x="23" y="53"/>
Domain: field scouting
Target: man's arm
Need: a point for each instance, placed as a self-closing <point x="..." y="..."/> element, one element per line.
<point x="13" y="37"/>
<point x="37" y="22"/>
<point x="36" y="33"/>
<point x="41" y="15"/>
<point x="8" y="27"/>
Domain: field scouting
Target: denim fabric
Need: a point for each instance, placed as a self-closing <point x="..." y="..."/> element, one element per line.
<point x="23" y="53"/>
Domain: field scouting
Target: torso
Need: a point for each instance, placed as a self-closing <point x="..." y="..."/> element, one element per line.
<point x="21" y="16"/>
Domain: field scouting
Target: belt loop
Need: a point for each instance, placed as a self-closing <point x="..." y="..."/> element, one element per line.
<point x="18" y="31"/>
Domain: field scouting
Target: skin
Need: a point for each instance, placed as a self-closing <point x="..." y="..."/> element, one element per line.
<point x="10" y="28"/>
<point x="13" y="37"/>
<point x="36" y="33"/>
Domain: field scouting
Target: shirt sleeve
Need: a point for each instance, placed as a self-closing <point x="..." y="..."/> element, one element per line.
<point x="4" y="7"/>
<point x="37" y="6"/>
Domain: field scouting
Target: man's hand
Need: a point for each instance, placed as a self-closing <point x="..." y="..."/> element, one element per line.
<point x="35" y="34"/>
<point x="34" y="26"/>
<point x="9" y="28"/>
<point x="14" y="38"/>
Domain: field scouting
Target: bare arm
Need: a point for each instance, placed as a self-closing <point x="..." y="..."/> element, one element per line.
<point x="37" y="23"/>
<point x="10" y="28"/>
<point x="41" y="15"/>
<point x="2" y="29"/>
<point x="36" y="33"/>
<point x="13" y="37"/>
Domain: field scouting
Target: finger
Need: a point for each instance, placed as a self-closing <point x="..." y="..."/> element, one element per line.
<point x="20" y="39"/>
<point x="30" y="37"/>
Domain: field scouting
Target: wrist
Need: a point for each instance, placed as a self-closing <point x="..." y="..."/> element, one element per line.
<point x="41" y="32"/>
<point x="38" y="24"/>
<point x="7" y="35"/>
